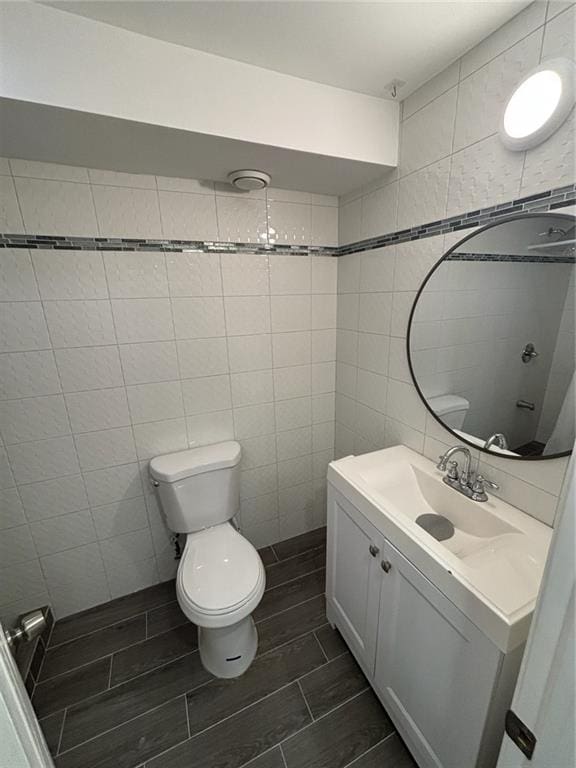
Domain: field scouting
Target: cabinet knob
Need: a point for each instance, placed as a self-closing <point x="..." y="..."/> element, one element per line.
<point x="373" y="549"/>
<point x="386" y="566"/>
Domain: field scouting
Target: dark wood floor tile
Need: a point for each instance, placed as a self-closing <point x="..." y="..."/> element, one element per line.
<point x="239" y="739"/>
<point x="271" y="759"/>
<point x="222" y="698"/>
<point x="267" y="555"/>
<point x="112" y="612"/>
<point x="340" y="737"/>
<point x="331" y="641"/>
<point x="298" y="544"/>
<point x="152" y="653"/>
<point x="332" y="684"/>
<point x="134" y="742"/>
<point x="85" y="649"/>
<point x="111" y="708"/>
<point x="300" y="565"/>
<point x="290" y="624"/>
<point x="164" y="618"/>
<point x="290" y="594"/>
<point x="390" y="753"/>
<point x="67" y="689"/>
<point x="51" y="728"/>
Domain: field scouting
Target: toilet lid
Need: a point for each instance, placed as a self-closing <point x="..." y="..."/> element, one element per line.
<point x="219" y="570"/>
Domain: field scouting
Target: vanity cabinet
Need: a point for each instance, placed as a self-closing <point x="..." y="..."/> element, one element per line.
<point x="444" y="684"/>
<point x="353" y="579"/>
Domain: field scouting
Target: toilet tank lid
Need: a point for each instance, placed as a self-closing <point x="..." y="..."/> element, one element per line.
<point x="176" y="466"/>
<point x="448" y="404"/>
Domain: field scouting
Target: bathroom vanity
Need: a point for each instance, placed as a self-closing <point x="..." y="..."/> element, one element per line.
<point x="438" y="627"/>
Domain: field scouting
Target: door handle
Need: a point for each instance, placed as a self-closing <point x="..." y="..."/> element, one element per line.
<point x="373" y="549"/>
<point x="386" y="566"/>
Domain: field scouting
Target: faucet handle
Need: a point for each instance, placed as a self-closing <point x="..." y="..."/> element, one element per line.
<point x="452" y="473"/>
<point x="441" y="462"/>
<point x="479" y="488"/>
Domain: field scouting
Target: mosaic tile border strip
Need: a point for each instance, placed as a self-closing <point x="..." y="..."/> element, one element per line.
<point x="565" y="258"/>
<point x="73" y="243"/>
<point x="550" y="200"/>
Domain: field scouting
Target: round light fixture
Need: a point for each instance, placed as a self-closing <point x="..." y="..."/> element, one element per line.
<point x="248" y="181"/>
<point x="539" y="104"/>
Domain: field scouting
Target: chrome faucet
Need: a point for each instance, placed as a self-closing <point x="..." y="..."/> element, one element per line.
<point x="497" y="439"/>
<point x="464" y="482"/>
<point x="453" y="478"/>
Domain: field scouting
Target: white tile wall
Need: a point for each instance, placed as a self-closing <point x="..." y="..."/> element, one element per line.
<point x="45" y="198"/>
<point x="110" y="358"/>
<point x="451" y="159"/>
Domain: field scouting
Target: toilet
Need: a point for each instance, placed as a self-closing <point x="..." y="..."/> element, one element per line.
<point x="451" y="409"/>
<point x="221" y="578"/>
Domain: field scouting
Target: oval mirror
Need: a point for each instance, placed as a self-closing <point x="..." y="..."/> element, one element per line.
<point x="491" y="342"/>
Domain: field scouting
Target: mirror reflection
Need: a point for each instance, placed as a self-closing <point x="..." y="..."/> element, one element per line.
<point x="491" y="340"/>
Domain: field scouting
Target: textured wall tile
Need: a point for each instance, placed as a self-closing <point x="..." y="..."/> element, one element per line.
<point x="16" y="545"/>
<point x="98" y="409"/>
<point x="241" y="220"/>
<point x="245" y="274"/>
<point x="194" y="274"/>
<point x="53" y="497"/>
<point x="155" y="402"/>
<point x="10" y="218"/>
<point x="379" y="209"/>
<point x="36" y="170"/>
<point x="435" y="87"/>
<point x="25" y="374"/>
<point x="289" y="223"/>
<point x="198" y="318"/>
<point x="200" y="357"/>
<point x="57" y="534"/>
<point x="22" y="326"/>
<point x="56" y="207"/>
<point x="324" y="225"/>
<point x="70" y="274"/>
<point x="553" y="159"/>
<point x="423" y="195"/>
<point x="482" y="175"/>
<point x="148" y="362"/>
<point x="483" y="94"/>
<point x="34" y="418"/>
<point x="427" y="135"/>
<point x="142" y="320"/>
<point x="89" y="367"/>
<point x="105" y="486"/>
<point x="105" y="449"/>
<point x="79" y="323"/>
<point x="43" y="459"/>
<point x="136" y="275"/>
<point x="186" y="216"/>
<point x="17" y="281"/>
<point x="127" y="212"/>
<point x="11" y="509"/>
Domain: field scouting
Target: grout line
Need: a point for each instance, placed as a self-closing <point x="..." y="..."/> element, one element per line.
<point x="312" y="718"/>
<point x="61" y="731"/>
<point x="73" y="669"/>
<point x="187" y="714"/>
<point x="130" y="720"/>
<point x="283" y="756"/>
<point x="322" y="647"/>
<point x="110" y="672"/>
<point x="359" y="757"/>
<point x="325" y="715"/>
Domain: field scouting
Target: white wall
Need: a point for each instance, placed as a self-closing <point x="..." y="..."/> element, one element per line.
<point x="451" y="161"/>
<point x="64" y="60"/>
<point x="563" y="362"/>
<point x="470" y="325"/>
<point x="108" y="358"/>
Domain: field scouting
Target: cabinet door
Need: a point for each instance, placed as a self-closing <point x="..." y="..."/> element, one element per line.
<point x="353" y="577"/>
<point x="435" y="670"/>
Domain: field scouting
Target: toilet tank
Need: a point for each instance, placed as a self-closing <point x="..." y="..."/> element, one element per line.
<point x="199" y="487"/>
<point x="450" y="409"/>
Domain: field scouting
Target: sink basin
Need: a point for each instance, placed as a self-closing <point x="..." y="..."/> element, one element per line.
<point x="496" y="551"/>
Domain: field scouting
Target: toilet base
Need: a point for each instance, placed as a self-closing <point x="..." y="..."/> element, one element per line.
<point x="228" y="651"/>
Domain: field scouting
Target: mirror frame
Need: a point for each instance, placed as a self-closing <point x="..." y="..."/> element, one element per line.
<point x="457" y="245"/>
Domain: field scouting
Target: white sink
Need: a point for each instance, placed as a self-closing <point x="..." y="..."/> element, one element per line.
<point x="493" y="563"/>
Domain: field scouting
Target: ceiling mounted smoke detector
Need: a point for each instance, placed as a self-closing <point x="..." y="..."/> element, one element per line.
<point x="248" y="181"/>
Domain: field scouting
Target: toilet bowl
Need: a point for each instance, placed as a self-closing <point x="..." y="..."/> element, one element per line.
<point x="221" y="578"/>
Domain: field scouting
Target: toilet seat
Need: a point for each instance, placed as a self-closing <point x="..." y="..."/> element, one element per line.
<point x="220" y="578"/>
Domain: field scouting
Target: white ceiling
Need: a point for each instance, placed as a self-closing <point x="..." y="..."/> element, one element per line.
<point x="356" y="45"/>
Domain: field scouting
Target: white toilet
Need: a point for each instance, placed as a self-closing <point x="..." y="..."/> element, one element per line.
<point x="451" y="409"/>
<point x="221" y="577"/>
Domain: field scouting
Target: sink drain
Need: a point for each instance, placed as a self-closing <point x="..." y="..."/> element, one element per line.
<point x="437" y="526"/>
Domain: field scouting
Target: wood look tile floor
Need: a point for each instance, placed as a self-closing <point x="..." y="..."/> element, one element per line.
<point x="122" y="685"/>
